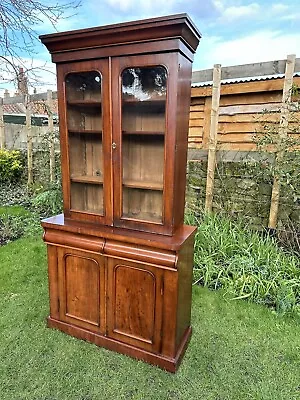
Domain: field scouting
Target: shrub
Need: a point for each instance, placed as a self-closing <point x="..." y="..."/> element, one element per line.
<point x="280" y="159"/>
<point x="48" y="201"/>
<point x="11" y="165"/>
<point x="16" y="221"/>
<point x="244" y="264"/>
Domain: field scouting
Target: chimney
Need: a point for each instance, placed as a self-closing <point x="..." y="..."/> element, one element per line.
<point x="22" y="82"/>
<point x="6" y="94"/>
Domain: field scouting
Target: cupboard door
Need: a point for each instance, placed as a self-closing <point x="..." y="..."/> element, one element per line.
<point x="135" y="299"/>
<point x="82" y="289"/>
<point x="141" y="133"/>
<point x="86" y="141"/>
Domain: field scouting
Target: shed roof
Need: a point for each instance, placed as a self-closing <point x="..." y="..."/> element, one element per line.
<point x="243" y="80"/>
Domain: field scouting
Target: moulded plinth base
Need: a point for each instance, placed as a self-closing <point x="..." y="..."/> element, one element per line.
<point x="169" y="364"/>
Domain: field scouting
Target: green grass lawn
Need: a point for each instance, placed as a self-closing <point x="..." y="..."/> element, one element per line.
<point x="238" y="350"/>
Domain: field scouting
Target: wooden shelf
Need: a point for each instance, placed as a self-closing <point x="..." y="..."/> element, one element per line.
<point x="98" y="180"/>
<point x="84" y="103"/>
<point x="142" y="133"/>
<point x="156" y="102"/>
<point x="143" y="216"/>
<point x="85" y="131"/>
<point x="142" y="185"/>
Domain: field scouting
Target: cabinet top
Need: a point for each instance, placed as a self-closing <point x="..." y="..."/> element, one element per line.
<point x="178" y="26"/>
<point x="171" y="243"/>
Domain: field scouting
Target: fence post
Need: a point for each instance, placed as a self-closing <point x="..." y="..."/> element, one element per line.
<point x="29" y="140"/>
<point x="283" y="132"/>
<point x="51" y="136"/>
<point x="213" y="135"/>
<point x="2" y="128"/>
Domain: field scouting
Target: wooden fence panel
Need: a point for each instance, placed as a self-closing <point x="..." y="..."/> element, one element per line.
<point x="2" y="128"/>
<point x="239" y="114"/>
<point x="213" y="137"/>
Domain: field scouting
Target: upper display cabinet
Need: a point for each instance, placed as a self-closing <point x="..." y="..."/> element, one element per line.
<point x="124" y="97"/>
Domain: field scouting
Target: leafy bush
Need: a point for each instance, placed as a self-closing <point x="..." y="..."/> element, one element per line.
<point x="280" y="159"/>
<point x="11" y="228"/>
<point x="48" y="201"/>
<point x="16" y="221"/>
<point x="14" y="193"/>
<point x="23" y="206"/>
<point x="11" y="165"/>
<point x="245" y="264"/>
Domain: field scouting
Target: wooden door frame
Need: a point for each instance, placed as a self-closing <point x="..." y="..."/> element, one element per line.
<point x="101" y="66"/>
<point x="169" y="61"/>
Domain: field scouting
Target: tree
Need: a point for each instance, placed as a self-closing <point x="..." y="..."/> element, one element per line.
<point x="19" y="20"/>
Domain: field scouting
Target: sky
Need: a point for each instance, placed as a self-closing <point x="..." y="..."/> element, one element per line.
<point x="234" y="32"/>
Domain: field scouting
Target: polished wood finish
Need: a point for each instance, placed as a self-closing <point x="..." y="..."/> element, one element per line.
<point x="131" y="298"/>
<point x="150" y="133"/>
<point x="119" y="258"/>
<point x="113" y="37"/>
<point x="170" y="364"/>
<point x="59" y="226"/>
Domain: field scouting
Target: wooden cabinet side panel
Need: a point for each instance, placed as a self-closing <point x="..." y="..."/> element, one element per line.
<point x="63" y="134"/>
<point x="182" y="128"/>
<point x="185" y="276"/>
<point x="170" y="300"/>
<point x="53" y="281"/>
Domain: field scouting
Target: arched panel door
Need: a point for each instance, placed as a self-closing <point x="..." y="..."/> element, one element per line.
<point x="82" y="289"/>
<point x="135" y="304"/>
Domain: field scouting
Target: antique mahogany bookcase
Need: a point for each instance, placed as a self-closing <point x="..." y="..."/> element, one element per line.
<point x="119" y="257"/>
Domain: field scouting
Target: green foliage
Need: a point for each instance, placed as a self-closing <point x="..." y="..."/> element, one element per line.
<point x="11" y="165"/>
<point x="41" y="158"/>
<point x="15" y="222"/>
<point x="281" y="151"/>
<point x="280" y="161"/>
<point x="47" y="201"/>
<point x="11" y="228"/>
<point x="238" y="350"/>
<point x="286" y="152"/>
<point x="15" y="210"/>
<point x="245" y="264"/>
<point x="23" y="207"/>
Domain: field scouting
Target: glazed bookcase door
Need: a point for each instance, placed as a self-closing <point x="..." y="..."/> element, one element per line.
<point x="87" y="142"/>
<point x="141" y="141"/>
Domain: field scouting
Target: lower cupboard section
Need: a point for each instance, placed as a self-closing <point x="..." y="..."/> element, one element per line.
<point x="131" y="307"/>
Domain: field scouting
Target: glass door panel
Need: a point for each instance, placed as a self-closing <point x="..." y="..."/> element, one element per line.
<point x="143" y="142"/>
<point x="84" y="122"/>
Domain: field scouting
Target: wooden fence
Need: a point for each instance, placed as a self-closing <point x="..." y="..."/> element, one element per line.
<point x="227" y="116"/>
<point x="241" y="103"/>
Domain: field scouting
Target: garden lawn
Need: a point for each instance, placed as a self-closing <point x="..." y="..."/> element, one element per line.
<point x="238" y="350"/>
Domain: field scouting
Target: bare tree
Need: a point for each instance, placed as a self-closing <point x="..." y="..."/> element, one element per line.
<point x="19" y="20"/>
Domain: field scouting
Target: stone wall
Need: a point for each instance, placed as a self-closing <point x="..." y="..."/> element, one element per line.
<point x="239" y="189"/>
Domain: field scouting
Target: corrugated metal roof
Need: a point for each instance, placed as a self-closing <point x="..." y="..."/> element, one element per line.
<point x="242" y="80"/>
